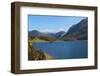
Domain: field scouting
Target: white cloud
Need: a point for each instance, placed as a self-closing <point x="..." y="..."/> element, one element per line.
<point x="61" y="29"/>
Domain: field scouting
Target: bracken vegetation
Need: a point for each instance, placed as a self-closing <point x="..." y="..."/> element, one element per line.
<point x="35" y="54"/>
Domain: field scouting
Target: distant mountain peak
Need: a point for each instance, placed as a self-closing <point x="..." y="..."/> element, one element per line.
<point x="48" y="34"/>
<point x="34" y="31"/>
<point x="77" y="31"/>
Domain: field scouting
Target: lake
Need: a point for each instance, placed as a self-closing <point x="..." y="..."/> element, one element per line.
<point x="64" y="49"/>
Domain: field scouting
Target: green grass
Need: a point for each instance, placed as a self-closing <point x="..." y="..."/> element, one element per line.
<point x="38" y="40"/>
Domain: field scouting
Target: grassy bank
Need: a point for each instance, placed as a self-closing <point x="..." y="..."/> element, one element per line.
<point x="37" y="54"/>
<point x="48" y="57"/>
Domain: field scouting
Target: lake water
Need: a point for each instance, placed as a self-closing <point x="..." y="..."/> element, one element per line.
<point x="64" y="50"/>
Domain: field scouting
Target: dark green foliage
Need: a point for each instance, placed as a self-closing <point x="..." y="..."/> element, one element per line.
<point x="46" y="38"/>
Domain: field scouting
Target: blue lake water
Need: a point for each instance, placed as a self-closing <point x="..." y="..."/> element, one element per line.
<point x="65" y="49"/>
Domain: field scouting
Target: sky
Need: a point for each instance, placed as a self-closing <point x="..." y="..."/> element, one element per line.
<point x="45" y="23"/>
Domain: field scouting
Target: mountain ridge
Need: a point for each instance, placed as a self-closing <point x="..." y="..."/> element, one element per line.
<point x="78" y="31"/>
<point x="75" y="32"/>
<point x="38" y="33"/>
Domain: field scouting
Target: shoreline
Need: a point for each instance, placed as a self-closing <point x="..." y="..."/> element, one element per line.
<point x="48" y="57"/>
<point x="60" y="41"/>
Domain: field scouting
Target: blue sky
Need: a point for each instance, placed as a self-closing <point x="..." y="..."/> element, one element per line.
<point x="44" y="23"/>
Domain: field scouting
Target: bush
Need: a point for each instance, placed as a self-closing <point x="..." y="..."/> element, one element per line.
<point x="34" y="54"/>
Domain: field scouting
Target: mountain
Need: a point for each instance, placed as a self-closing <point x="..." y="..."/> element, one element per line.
<point x="34" y="33"/>
<point x="37" y="33"/>
<point x="77" y="31"/>
<point x="59" y="34"/>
